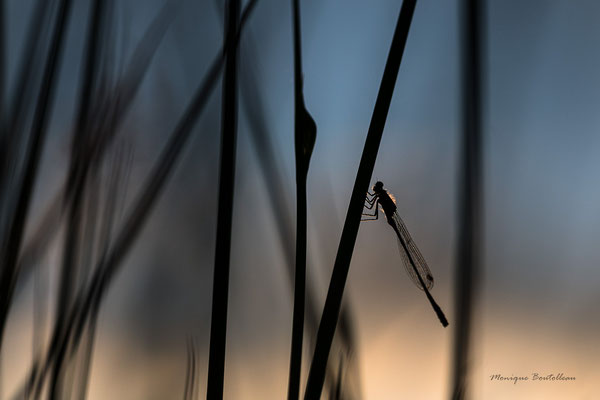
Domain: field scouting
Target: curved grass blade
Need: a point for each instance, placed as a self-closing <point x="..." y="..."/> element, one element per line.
<point x="190" y="373"/>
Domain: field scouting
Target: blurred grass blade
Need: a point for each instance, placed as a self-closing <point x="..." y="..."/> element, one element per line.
<point x="2" y="89"/>
<point x="469" y="238"/>
<point x="153" y="185"/>
<point x="14" y="112"/>
<point x="88" y="301"/>
<point x="365" y="170"/>
<point x="115" y="191"/>
<point x="337" y="395"/>
<point x="32" y="157"/>
<point x="76" y="184"/>
<point x="109" y="112"/>
<point x="78" y="174"/>
<point x="190" y="375"/>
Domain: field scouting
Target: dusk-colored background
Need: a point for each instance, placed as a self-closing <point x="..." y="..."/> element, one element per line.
<point x="537" y="309"/>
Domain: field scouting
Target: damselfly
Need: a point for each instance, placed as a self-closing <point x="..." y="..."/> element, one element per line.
<point x="413" y="260"/>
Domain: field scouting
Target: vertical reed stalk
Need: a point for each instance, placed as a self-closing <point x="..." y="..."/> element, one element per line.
<point x="304" y="134"/>
<point x="218" y="327"/>
<point x="468" y="246"/>
<point x="2" y="73"/>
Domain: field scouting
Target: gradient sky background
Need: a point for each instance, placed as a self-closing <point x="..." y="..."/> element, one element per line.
<point x="539" y="295"/>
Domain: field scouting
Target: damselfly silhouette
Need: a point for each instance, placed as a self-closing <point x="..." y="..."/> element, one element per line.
<point x="413" y="261"/>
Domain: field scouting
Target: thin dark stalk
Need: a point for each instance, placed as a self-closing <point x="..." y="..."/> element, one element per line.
<point x="36" y="143"/>
<point x="28" y="60"/>
<point x="90" y="76"/>
<point x="304" y="133"/>
<point x="365" y="170"/>
<point x="2" y="75"/>
<point x="218" y="326"/>
<point x="14" y="113"/>
<point x="299" y="294"/>
<point x="79" y="166"/>
<point x="468" y="245"/>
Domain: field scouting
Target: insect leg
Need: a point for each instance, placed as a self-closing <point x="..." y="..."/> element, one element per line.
<point x="375" y="214"/>
<point x="369" y="205"/>
<point x="370" y="201"/>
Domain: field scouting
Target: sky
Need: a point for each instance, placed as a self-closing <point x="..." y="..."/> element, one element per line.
<point x="537" y="300"/>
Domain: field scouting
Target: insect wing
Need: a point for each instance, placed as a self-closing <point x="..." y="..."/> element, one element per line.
<point x="409" y="251"/>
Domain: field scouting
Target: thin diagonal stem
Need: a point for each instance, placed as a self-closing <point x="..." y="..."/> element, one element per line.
<point x="365" y="170"/>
